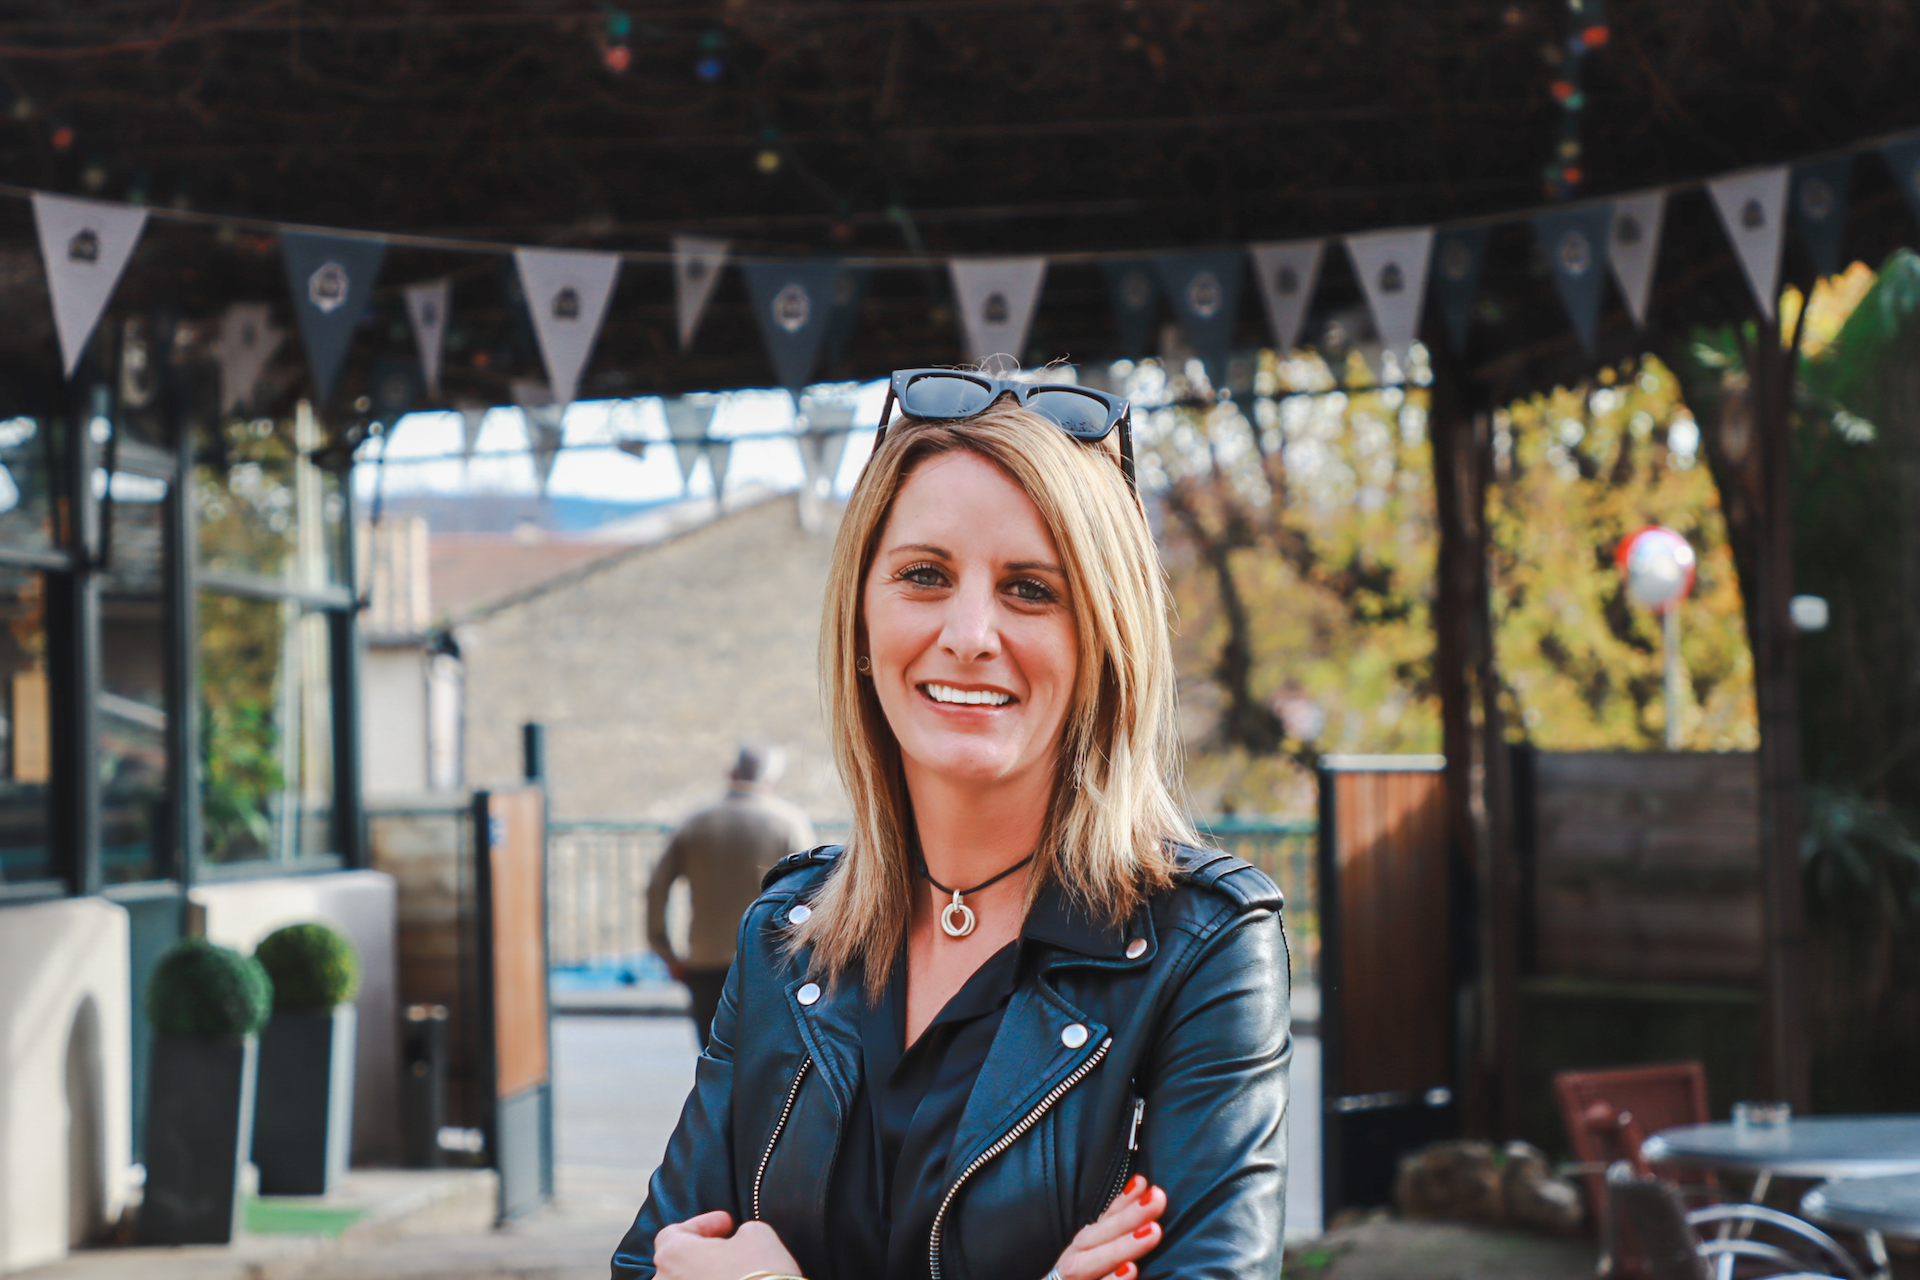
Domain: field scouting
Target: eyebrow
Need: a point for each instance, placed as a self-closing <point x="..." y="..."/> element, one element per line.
<point x="1018" y="566"/>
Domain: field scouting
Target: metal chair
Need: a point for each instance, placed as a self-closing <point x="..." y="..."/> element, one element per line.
<point x="1608" y="1114"/>
<point x="1675" y="1248"/>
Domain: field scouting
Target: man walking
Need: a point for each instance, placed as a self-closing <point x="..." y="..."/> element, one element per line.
<point x="723" y="852"/>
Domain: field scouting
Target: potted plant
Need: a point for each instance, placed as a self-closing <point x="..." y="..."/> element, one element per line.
<point x="206" y="1005"/>
<point x="303" y="1119"/>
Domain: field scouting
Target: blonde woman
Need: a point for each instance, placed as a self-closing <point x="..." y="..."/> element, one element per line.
<point x="1021" y="1025"/>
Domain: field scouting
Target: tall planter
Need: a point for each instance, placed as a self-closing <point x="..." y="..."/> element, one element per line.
<point x="206" y="1005"/>
<point x="303" y="1114"/>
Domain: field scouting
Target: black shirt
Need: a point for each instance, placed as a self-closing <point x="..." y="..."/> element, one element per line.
<point x="892" y="1167"/>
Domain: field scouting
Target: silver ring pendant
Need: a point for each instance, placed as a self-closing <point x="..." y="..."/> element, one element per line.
<point x="957" y="908"/>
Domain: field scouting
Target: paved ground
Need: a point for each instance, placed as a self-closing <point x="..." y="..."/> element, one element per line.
<point x="1390" y="1250"/>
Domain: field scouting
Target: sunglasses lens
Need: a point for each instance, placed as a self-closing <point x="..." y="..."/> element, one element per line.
<point x="1078" y="413"/>
<point x="936" y="396"/>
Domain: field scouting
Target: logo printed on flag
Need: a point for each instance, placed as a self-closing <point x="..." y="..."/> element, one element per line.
<point x="566" y="304"/>
<point x="327" y="287"/>
<point x="84" y="247"/>
<point x="1203" y="294"/>
<point x="1456" y="260"/>
<point x="792" y="307"/>
<point x="1816" y="199"/>
<point x="1392" y="278"/>
<point x="995" y="309"/>
<point x="1576" y="254"/>
<point x="1752" y="216"/>
<point x="1136" y="288"/>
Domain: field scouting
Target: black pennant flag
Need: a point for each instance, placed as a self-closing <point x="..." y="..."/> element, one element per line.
<point x="332" y="279"/>
<point x="1205" y="289"/>
<point x="793" y="302"/>
<point x="1458" y="254"/>
<point x="1135" y="303"/>
<point x="1575" y="241"/>
<point x="1817" y="200"/>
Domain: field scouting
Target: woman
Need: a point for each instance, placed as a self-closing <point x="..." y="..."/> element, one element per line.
<point x="1020" y="1021"/>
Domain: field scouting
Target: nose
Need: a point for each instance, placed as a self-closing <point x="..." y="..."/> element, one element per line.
<point x="971" y="631"/>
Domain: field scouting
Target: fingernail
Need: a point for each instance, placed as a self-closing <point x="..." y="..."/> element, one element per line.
<point x="1144" y="1230"/>
<point x="1125" y="1271"/>
<point x="1135" y="1184"/>
<point x="1147" y="1198"/>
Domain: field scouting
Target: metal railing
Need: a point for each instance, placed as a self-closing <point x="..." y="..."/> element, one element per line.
<point x="597" y="874"/>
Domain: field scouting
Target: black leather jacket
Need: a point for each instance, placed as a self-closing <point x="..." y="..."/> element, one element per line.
<point x="1161" y="1048"/>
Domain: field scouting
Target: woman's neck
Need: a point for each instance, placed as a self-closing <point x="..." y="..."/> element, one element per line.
<point x="969" y="833"/>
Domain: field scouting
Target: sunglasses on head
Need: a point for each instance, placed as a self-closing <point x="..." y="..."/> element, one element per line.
<point x="948" y="395"/>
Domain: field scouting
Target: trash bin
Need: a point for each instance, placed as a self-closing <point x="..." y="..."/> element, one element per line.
<point x="423" y="1085"/>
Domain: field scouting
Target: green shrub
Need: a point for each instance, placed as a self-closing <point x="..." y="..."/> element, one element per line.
<point x="204" y="991"/>
<point x="312" y="966"/>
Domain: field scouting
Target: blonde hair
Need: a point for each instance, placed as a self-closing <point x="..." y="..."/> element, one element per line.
<point x="1113" y="814"/>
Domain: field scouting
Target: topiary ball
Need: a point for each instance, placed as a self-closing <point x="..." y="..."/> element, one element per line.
<point x="312" y="966"/>
<point x="203" y="991"/>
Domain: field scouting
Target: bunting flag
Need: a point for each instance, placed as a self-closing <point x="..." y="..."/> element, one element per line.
<point x="1286" y="272"/>
<point x="849" y="290"/>
<point x="332" y="279"/>
<point x="696" y="269"/>
<point x="396" y="389"/>
<point x="472" y="417"/>
<point x="719" y="455"/>
<point x="84" y="246"/>
<point x="687" y="423"/>
<point x="1575" y="241"/>
<point x="1130" y="282"/>
<point x="1457" y="258"/>
<point x="427" y="313"/>
<point x="1204" y="287"/>
<point x="996" y="297"/>
<point x="543" y="415"/>
<point x="567" y="292"/>
<point x="1818" y="201"/>
<point x="1751" y="205"/>
<point x="1903" y="158"/>
<point x="1392" y="266"/>
<point x="1633" y="246"/>
<point x="792" y="302"/>
<point x="247" y="341"/>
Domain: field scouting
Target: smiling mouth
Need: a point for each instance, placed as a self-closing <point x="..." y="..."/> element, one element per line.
<point x="946" y="693"/>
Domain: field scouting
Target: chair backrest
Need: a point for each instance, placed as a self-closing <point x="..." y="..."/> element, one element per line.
<point x="1609" y="1113"/>
<point x="1652" y="1210"/>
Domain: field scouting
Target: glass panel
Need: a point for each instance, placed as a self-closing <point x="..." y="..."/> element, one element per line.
<point x="265" y="510"/>
<point x="26" y="748"/>
<point x="27" y="478"/>
<point x="266" y="729"/>
<point x="136" y="838"/>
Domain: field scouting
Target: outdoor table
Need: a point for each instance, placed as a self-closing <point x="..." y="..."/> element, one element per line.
<point x="1875" y="1207"/>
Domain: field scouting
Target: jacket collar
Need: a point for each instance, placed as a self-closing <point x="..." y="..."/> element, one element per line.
<point x="1060" y="922"/>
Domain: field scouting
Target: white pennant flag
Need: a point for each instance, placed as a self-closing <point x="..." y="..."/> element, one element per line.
<point x="247" y="341"/>
<point x="687" y="422"/>
<point x="1392" y="266"/>
<point x="1753" y="208"/>
<point x="996" y="297"/>
<point x="84" y="245"/>
<point x="567" y="293"/>
<point x="696" y="269"/>
<point x="427" y="312"/>
<point x="719" y="454"/>
<point x="544" y="418"/>
<point x="1286" y="272"/>
<point x="1633" y="246"/>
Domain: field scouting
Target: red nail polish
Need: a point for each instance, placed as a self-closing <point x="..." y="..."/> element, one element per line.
<point x="1147" y="1198"/>
<point x="1144" y="1230"/>
<point x="1125" y="1271"/>
<point x="1135" y="1184"/>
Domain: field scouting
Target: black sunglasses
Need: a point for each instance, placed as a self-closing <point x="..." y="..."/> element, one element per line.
<point x="947" y="395"/>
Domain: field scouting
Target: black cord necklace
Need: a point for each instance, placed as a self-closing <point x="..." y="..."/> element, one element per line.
<point x="957" y="907"/>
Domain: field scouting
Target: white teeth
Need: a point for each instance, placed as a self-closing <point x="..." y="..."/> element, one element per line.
<point x="970" y="697"/>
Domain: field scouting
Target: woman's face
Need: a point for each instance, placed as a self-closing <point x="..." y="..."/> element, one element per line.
<point x="970" y="627"/>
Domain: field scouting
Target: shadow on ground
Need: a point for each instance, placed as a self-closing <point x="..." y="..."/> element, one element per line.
<point x="1386" y="1249"/>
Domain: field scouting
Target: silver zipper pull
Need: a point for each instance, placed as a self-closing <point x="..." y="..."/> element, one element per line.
<point x="1133" y="1133"/>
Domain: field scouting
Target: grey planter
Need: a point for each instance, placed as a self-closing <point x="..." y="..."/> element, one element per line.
<point x="199" y="1130"/>
<point x="303" y="1119"/>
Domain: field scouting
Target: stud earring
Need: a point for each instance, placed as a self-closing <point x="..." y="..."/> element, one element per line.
<point x="863" y="664"/>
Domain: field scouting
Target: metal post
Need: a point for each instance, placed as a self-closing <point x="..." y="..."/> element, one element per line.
<point x="1670" y="627"/>
<point x="533" y="752"/>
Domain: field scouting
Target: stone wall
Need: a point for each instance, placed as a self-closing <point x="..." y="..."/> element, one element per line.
<point x="649" y="666"/>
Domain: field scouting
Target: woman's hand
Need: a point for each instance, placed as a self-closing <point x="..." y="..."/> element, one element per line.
<point x="708" y="1248"/>
<point x="1107" y="1248"/>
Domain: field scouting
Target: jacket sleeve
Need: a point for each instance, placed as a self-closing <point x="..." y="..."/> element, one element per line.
<point x="1214" y="1133"/>
<point x="696" y="1176"/>
<point x="665" y="872"/>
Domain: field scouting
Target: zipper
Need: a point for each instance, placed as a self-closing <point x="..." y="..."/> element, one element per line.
<point x="793" y="1092"/>
<point x="1006" y="1140"/>
<point x="1126" y="1157"/>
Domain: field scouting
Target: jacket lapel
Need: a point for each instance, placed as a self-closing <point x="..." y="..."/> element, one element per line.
<point x="1029" y="1058"/>
<point x="830" y="1028"/>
